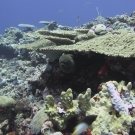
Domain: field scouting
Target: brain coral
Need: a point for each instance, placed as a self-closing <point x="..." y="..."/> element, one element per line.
<point x="38" y="121"/>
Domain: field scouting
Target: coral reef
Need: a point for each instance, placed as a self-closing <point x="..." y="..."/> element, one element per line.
<point x="38" y="44"/>
<point x="109" y="103"/>
<point x="83" y="100"/>
<point x="27" y="27"/>
<point x="37" y="121"/>
<point x="106" y="44"/>
<point x="13" y="35"/>
<point x="99" y="29"/>
<point x="61" y="114"/>
<point x="51" y="25"/>
<point x="59" y="33"/>
<point x="55" y="77"/>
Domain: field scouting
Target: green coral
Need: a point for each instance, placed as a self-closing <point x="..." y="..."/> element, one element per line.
<point x="106" y="123"/>
<point x="84" y="100"/>
<point x="100" y="105"/>
<point x="49" y="101"/>
<point x="70" y="108"/>
<point x="6" y="101"/>
<point x="37" y="121"/>
<point x="66" y="99"/>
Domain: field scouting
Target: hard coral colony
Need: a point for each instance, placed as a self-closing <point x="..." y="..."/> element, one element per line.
<point x="57" y="78"/>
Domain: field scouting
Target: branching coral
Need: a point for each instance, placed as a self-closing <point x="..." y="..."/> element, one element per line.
<point x="69" y="110"/>
<point x="24" y="127"/>
<point x="66" y="99"/>
<point x="118" y="117"/>
<point x="84" y="100"/>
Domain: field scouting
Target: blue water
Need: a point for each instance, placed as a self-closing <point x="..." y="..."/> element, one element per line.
<point x="65" y="12"/>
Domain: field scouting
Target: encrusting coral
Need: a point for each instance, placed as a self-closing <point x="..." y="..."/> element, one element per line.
<point x="112" y="109"/>
<point x="106" y="123"/>
<point x="6" y="101"/>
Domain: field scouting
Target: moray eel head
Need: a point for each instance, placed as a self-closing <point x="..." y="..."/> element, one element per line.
<point x="67" y="63"/>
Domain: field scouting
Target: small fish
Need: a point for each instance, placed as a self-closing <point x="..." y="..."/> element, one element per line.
<point x="61" y="10"/>
<point x="78" y="19"/>
<point x="84" y="124"/>
<point x="103" y="70"/>
<point x="86" y="3"/>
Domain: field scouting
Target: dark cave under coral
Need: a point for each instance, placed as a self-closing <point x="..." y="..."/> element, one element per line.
<point x="85" y="74"/>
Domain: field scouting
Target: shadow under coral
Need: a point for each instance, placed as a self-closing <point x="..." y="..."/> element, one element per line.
<point x="86" y="74"/>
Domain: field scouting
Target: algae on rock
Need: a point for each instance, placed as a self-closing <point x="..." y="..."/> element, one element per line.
<point x="6" y="101"/>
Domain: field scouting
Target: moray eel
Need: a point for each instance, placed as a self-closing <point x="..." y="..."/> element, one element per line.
<point x="67" y="63"/>
<point x="83" y="125"/>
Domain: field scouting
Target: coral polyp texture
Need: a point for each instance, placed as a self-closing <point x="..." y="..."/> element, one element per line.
<point x="62" y="112"/>
<point x="83" y="100"/>
<point x="110" y="105"/>
<point x="54" y="78"/>
<point x="113" y="108"/>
